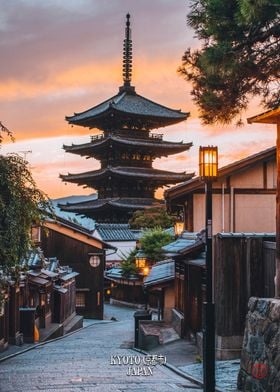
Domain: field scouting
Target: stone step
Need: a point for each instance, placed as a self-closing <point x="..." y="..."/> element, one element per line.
<point x="153" y="333"/>
<point x="168" y="335"/>
<point x="76" y="322"/>
<point x="53" y="331"/>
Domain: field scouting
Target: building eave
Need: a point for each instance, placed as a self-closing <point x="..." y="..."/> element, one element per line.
<point x="228" y="170"/>
<point x="268" y="117"/>
<point x="130" y="172"/>
<point x="123" y="104"/>
<point x="161" y="146"/>
<point x="79" y="235"/>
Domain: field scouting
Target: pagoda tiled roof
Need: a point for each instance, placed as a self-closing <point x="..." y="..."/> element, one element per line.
<point x="128" y="104"/>
<point x="150" y="143"/>
<point x="126" y="171"/>
<point x="118" y="202"/>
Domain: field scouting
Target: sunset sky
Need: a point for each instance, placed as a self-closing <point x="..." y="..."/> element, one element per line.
<point x="64" y="56"/>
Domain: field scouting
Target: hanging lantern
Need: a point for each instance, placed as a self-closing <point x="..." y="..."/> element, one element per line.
<point x="178" y="227"/>
<point x="140" y="259"/>
<point x="146" y="271"/>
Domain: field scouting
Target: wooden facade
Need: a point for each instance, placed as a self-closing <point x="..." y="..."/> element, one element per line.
<point x="159" y="286"/>
<point x="41" y="298"/>
<point x="64" y="298"/>
<point x="14" y="317"/>
<point x="74" y="247"/>
<point x="189" y="293"/>
<point x="243" y="268"/>
<point x="4" y="320"/>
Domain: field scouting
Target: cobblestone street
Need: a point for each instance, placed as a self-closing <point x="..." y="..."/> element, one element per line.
<point x="81" y="362"/>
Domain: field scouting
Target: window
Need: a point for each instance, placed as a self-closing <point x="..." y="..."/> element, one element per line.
<point x="125" y="155"/>
<point x="36" y="234"/>
<point x="94" y="261"/>
<point x="136" y="156"/>
<point x="146" y="157"/>
<point x="80" y="299"/>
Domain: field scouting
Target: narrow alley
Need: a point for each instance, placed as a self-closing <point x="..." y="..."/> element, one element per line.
<point x="82" y="362"/>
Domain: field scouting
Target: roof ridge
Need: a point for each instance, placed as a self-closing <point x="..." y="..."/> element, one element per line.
<point x="91" y="108"/>
<point x="199" y="182"/>
<point x="179" y="111"/>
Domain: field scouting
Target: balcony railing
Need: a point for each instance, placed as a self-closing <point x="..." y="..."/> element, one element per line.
<point x="157" y="136"/>
<point x="94" y="138"/>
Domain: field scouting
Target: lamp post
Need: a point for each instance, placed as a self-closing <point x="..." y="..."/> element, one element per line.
<point x="141" y="264"/>
<point x="208" y="171"/>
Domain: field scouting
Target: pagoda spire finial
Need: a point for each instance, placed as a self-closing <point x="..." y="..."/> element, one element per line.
<point x="127" y="54"/>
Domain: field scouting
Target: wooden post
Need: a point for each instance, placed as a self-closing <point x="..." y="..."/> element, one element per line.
<point x="277" y="276"/>
<point x="273" y="117"/>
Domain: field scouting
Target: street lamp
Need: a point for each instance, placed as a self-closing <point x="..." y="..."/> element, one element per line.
<point x="208" y="171"/>
<point x="140" y="259"/>
<point x="178" y="226"/>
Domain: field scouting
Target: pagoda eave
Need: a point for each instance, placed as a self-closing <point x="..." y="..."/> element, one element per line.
<point x="110" y="210"/>
<point x="155" y="176"/>
<point x="118" y="119"/>
<point x="128" y="109"/>
<point x="97" y="147"/>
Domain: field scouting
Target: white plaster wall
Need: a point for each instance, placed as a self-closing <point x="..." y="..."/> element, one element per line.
<point x="123" y="248"/>
<point x="255" y="213"/>
<point x="271" y="174"/>
<point x="252" y="178"/>
<point x="199" y="213"/>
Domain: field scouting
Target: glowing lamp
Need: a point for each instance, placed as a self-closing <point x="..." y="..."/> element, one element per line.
<point x="140" y="259"/>
<point x="178" y="227"/>
<point x="208" y="162"/>
<point x="146" y="271"/>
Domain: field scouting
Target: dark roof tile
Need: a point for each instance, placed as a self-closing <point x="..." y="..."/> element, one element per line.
<point x="115" y="232"/>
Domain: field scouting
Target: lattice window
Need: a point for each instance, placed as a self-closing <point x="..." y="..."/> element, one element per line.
<point x="80" y="299"/>
<point x="136" y="156"/>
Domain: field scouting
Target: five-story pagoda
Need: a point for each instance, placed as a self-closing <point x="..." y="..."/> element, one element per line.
<point x="126" y="149"/>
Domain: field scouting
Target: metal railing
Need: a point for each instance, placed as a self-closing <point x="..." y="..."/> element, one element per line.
<point x="157" y="136"/>
<point x="94" y="138"/>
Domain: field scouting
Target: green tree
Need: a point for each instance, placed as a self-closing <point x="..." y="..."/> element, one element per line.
<point x="21" y="204"/>
<point x="239" y="57"/>
<point x="152" y="242"/>
<point x="151" y="217"/>
<point x="128" y="265"/>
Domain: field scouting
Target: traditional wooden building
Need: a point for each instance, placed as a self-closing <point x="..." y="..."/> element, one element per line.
<point x="125" y="288"/>
<point x="75" y="247"/>
<point x="160" y="285"/>
<point x="50" y="298"/>
<point x="243" y="204"/>
<point x="243" y="196"/>
<point x="126" y="150"/>
<point x="189" y="283"/>
<point x="4" y="319"/>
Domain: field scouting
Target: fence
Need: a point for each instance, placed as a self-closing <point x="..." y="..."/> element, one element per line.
<point x="244" y="267"/>
<point x="269" y="270"/>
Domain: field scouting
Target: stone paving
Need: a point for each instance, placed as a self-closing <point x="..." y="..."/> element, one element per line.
<point x="81" y="362"/>
<point x="226" y="374"/>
